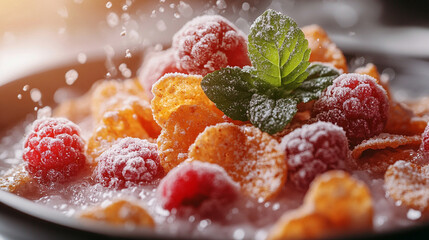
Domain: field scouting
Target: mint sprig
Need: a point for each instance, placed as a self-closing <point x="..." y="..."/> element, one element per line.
<point x="278" y="50"/>
<point x="267" y="94"/>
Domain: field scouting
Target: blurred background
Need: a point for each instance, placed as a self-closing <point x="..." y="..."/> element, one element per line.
<point x="39" y="35"/>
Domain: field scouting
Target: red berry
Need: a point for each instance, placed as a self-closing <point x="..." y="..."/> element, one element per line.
<point x="200" y="185"/>
<point x="356" y="103"/>
<point x="156" y="64"/>
<point x="425" y="143"/>
<point x="314" y="149"/>
<point x="209" y="43"/>
<point x="54" y="150"/>
<point x="128" y="162"/>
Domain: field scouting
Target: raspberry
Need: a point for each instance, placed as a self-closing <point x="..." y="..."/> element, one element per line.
<point x="425" y="143"/>
<point x="156" y="64"/>
<point x="128" y="162"/>
<point x="199" y="185"/>
<point x="356" y="103"/>
<point x="209" y="43"/>
<point x="314" y="149"/>
<point x="54" y="150"/>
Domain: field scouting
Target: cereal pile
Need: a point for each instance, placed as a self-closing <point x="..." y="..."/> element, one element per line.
<point x="266" y="136"/>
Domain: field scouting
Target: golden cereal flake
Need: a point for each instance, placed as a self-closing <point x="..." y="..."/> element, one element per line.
<point x="180" y="132"/>
<point x="120" y="212"/>
<point x="408" y="183"/>
<point x="251" y="157"/>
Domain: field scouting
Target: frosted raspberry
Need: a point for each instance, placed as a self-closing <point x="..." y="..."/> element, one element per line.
<point x="356" y="103"/>
<point x="54" y="150"/>
<point x="425" y="142"/>
<point x="199" y="185"/>
<point x="155" y="65"/>
<point x="314" y="149"/>
<point x="128" y="162"/>
<point x="209" y="43"/>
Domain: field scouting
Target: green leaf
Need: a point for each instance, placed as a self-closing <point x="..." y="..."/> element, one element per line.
<point x="278" y="50"/>
<point x="320" y="76"/>
<point x="271" y="115"/>
<point x="231" y="89"/>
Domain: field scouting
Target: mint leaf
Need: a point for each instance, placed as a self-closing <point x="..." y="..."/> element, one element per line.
<point x="231" y="89"/>
<point x="271" y="115"/>
<point x="278" y="50"/>
<point x="320" y="76"/>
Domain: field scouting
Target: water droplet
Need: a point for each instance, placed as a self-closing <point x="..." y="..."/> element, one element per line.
<point x="61" y="30"/>
<point x="238" y="234"/>
<point x="172" y="5"/>
<point x="125" y="17"/>
<point x="276" y="206"/>
<point x="185" y="9"/>
<point x="153" y="14"/>
<point x="71" y="76"/>
<point x="63" y="12"/>
<point x="112" y="19"/>
<point x="123" y="33"/>
<point x="124" y="7"/>
<point x="221" y="4"/>
<point x="245" y="6"/>
<point x="35" y="108"/>
<point x="176" y="15"/>
<point x="162" y="1"/>
<point x="81" y="58"/>
<point x="413" y="214"/>
<point x="19" y="96"/>
<point x="191" y="219"/>
<point x="203" y="224"/>
<point x="35" y="95"/>
<point x="108" y="5"/>
<point x="160" y="25"/>
<point x="158" y="47"/>
<point x="25" y="88"/>
<point x="161" y="9"/>
<point x="128" y="53"/>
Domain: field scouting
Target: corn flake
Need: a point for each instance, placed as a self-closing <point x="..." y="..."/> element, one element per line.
<point x="408" y="183"/>
<point x="335" y="203"/>
<point x="323" y="49"/>
<point x="252" y="158"/>
<point x="174" y="90"/>
<point x="120" y="212"/>
<point x="181" y="130"/>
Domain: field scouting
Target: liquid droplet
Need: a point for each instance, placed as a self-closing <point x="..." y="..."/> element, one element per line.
<point x="81" y="58"/>
<point x="25" y="88"/>
<point x="112" y="19"/>
<point x="19" y="96"/>
<point x="128" y="53"/>
<point x="108" y="5"/>
<point x="35" y="95"/>
<point x="71" y="76"/>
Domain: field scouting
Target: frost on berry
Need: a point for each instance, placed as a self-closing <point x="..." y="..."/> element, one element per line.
<point x="119" y="212"/>
<point x="408" y="183"/>
<point x="181" y="130"/>
<point x="128" y="162"/>
<point x="322" y="48"/>
<point x="174" y="90"/>
<point x="203" y="186"/>
<point x="335" y="204"/>
<point x="54" y="150"/>
<point x="425" y="143"/>
<point x="156" y="65"/>
<point x="357" y="104"/>
<point x="314" y="149"/>
<point x="209" y="43"/>
<point x="251" y="157"/>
